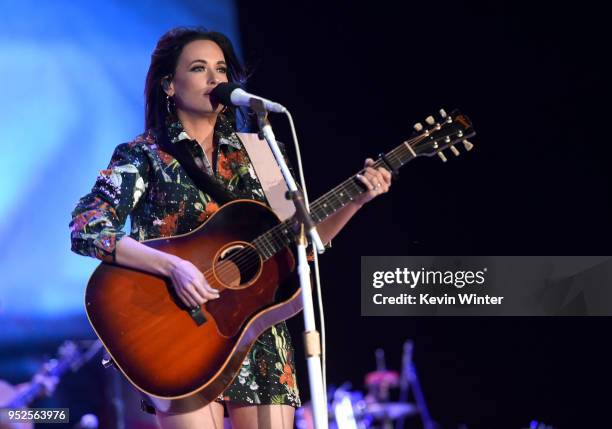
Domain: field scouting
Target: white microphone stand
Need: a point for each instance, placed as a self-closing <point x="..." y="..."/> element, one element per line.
<point x="312" y="341"/>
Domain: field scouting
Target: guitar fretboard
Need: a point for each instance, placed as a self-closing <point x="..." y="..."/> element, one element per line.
<point x="35" y="388"/>
<point x="279" y="237"/>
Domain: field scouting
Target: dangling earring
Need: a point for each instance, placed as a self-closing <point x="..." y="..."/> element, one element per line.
<point x="168" y="104"/>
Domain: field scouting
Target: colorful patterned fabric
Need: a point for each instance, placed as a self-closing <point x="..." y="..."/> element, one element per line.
<point x="147" y="184"/>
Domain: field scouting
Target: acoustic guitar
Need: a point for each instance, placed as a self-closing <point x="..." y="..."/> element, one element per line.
<point x="184" y="358"/>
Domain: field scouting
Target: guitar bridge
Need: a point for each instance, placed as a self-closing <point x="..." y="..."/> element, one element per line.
<point x="197" y="315"/>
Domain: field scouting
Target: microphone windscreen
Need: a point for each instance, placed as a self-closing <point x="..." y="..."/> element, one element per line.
<point x="222" y="93"/>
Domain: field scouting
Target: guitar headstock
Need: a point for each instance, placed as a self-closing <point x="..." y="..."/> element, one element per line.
<point x="441" y="133"/>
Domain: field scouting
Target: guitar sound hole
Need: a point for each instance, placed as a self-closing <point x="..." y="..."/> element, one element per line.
<point x="237" y="266"/>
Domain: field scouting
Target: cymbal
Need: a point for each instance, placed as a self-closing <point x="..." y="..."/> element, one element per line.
<point x="389" y="410"/>
<point x="376" y="378"/>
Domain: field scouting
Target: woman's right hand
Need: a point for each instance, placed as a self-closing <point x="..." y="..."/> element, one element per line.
<point x="191" y="285"/>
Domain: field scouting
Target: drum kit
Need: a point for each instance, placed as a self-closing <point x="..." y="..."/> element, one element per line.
<point x="349" y="409"/>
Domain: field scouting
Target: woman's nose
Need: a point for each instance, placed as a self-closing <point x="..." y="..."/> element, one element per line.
<point x="213" y="78"/>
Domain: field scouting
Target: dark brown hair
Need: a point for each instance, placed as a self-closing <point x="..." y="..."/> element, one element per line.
<point x="163" y="63"/>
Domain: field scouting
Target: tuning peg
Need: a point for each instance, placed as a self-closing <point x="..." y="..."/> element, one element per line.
<point x="454" y="150"/>
<point x="468" y="146"/>
<point x="430" y="120"/>
<point x="418" y="127"/>
<point x="442" y="157"/>
<point x="443" y="113"/>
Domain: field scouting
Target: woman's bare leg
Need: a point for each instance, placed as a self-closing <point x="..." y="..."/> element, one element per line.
<point x="208" y="417"/>
<point x="261" y="416"/>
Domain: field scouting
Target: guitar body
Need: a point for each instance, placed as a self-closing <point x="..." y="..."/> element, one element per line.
<point x="183" y="361"/>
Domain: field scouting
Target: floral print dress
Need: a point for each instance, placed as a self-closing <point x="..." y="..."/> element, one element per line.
<point x="147" y="184"/>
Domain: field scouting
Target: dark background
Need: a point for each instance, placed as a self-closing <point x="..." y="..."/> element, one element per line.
<point x="356" y="78"/>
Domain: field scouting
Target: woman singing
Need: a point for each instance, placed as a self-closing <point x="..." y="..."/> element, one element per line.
<point x="147" y="183"/>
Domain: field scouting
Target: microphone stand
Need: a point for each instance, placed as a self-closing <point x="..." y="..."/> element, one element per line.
<point x="409" y="377"/>
<point x="312" y="342"/>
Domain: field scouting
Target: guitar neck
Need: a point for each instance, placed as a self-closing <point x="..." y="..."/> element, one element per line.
<point x="351" y="188"/>
<point x="35" y="389"/>
<point x="439" y="136"/>
<point x="281" y="236"/>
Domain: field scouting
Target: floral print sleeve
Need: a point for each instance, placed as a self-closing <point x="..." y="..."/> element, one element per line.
<point x="99" y="216"/>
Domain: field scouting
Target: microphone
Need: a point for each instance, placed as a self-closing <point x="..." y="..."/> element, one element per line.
<point x="230" y="94"/>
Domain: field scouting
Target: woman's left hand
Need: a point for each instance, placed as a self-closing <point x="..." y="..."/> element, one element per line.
<point x="377" y="181"/>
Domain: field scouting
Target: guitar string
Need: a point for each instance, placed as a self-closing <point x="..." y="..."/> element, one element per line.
<point x="277" y="236"/>
<point x="247" y="258"/>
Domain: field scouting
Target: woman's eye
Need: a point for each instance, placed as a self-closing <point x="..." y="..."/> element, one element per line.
<point x="202" y="68"/>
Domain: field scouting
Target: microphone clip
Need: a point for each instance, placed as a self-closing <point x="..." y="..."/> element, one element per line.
<point x="260" y="110"/>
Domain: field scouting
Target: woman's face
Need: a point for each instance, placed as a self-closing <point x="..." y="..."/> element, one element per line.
<point x="200" y="68"/>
